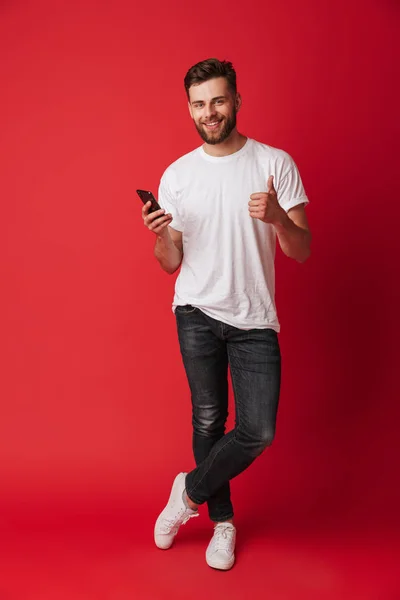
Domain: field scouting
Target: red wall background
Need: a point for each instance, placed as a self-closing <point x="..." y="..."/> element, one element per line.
<point x="95" y="408"/>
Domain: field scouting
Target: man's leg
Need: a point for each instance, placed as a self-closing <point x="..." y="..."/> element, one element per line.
<point x="255" y="363"/>
<point x="205" y="359"/>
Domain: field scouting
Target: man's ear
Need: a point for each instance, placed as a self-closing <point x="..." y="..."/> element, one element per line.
<point x="238" y="101"/>
<point x="190" y="110"/>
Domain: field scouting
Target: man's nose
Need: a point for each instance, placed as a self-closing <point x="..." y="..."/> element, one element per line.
<point x="209" y="110"/>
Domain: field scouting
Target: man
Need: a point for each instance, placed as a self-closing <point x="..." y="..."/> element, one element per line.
<point x="223" y="206"/>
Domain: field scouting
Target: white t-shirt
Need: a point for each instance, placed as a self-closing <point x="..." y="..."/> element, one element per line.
<point x="227" y="269"/>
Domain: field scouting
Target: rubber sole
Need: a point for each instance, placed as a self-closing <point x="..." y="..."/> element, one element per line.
<point x="221" y="568"/>
<point x="174" y="485"/>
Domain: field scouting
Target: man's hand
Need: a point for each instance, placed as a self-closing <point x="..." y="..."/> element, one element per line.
<point x="265" y="205"/>
<point x="157" y="221"/>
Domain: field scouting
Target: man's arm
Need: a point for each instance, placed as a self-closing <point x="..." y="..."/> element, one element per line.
<point x="294" y="233"/>
<point x="291" y="227"/>
<point x="168" y="248"/>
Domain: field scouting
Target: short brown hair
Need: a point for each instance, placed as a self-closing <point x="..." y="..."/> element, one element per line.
<point x="210" y="69"/>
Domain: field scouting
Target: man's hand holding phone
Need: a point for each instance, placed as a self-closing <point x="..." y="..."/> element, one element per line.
<point x="154" y="216"/>
<point x="156" y="221"/>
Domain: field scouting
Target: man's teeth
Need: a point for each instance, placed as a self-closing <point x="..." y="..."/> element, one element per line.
<point x="211" y="124"/>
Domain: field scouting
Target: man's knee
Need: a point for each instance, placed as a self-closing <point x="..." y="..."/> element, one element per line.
<point x="209" y="422"/>
<point x="256" y="441"/>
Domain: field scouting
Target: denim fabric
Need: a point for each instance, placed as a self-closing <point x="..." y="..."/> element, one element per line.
<point x="208" y="346"/>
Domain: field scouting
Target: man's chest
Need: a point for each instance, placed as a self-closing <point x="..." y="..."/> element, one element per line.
<point x="219" y="193"/>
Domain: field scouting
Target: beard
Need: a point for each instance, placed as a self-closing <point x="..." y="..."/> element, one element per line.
<point x="210" y="137"/>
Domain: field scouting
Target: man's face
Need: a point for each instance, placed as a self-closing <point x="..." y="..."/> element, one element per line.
<point x="213" y="107"/>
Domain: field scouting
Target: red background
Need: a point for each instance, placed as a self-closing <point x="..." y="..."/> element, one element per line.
<point x="95" y="409"/>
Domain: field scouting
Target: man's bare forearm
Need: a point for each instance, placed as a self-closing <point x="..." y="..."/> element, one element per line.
<point x="167" y="254"/>
<point x="294" y="240"/>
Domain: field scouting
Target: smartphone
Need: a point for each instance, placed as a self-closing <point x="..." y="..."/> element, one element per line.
<point x="145" y="197"/>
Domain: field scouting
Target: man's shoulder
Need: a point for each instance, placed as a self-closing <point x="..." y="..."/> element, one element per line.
<point x="267" y="151"/>
<point x="182" y="162"/>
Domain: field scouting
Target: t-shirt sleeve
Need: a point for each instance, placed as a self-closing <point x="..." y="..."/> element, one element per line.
<point x="168" y="201"/>
<point x="290" y="189"/>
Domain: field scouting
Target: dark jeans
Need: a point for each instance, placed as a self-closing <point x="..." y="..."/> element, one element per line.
<point x="254" y="359"/>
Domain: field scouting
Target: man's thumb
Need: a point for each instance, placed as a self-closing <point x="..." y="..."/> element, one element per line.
<point x="270" y="184"/>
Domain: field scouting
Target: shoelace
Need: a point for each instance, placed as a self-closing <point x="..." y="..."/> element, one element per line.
<point x="169" y="524"/>
<point x="223" y="535"/>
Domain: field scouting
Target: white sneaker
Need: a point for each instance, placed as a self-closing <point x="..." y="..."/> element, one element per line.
<point x="220" y="553"/>
<point x="173" y="516"/>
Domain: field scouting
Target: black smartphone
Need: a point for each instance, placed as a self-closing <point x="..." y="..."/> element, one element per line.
<point x="145" y="197"/>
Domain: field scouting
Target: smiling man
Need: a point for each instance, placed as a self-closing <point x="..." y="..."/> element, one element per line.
<point x="224" y="206"/>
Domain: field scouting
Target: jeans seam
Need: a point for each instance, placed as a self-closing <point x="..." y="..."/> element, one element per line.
<point x="199" y="482"/>
<point x="186" y="312"/>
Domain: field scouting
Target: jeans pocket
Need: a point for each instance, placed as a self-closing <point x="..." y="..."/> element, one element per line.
<point x="185" y="310"/>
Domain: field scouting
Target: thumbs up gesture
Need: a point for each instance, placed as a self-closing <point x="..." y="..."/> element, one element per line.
<point x="265" y="205"/>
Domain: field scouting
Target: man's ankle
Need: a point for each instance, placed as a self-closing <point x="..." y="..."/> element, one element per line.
<point x="189" y="502"/>
<point x="226" y="521"/>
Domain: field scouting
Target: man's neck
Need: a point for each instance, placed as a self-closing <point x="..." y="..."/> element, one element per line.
<point x="233" y="144"/>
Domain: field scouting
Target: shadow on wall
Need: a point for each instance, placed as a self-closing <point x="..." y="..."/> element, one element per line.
<point x="354" y="341"/>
